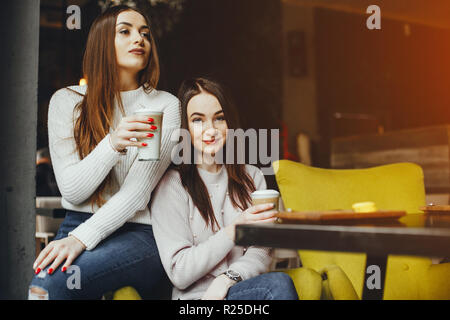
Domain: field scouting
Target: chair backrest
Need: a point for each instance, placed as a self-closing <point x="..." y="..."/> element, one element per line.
<point x="397" y="186"/>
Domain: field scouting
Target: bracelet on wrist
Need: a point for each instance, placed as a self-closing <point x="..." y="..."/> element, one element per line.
<point x="233" y="275"/>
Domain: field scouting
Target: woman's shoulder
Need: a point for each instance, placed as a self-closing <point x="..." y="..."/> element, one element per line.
<point x="170" y="187"/>
<point x="171" y="180"/>
<point x="257" y="176"/>
<point x="66" y="98"/>
<point x="172" y="174"/>
<point x="71" y="91"/>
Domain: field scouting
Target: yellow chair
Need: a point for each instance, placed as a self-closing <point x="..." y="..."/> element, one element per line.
<point x="126" y="293"/>
<point x="392" y="187"/>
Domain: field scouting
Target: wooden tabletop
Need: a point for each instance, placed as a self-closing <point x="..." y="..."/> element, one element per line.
<point x="414" y="234"/>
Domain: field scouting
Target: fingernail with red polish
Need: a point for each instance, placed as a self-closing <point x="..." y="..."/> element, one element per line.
<point x="144" y="144"/>
<point x="150" y="135"/>
<point x="153" y="127"/>
<point x="37" y="270"/>
<point x="150" y="120"/>
<point x="64" y="269"/>
<point x="50" y="271"/>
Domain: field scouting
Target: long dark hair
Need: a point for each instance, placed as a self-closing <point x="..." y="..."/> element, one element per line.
<point x="240" y="184"/>
<point x="96" y="110"/>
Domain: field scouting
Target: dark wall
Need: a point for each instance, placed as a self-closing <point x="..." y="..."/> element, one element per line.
<point x="402" y="80"/>
<point x="60" y="59"/>
<point x="236" y="41"/>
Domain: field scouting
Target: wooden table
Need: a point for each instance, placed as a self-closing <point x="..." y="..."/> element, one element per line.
<point x="414" y="234"/>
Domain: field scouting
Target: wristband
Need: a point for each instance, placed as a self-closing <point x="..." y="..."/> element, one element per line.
<point x="233" y="275"/>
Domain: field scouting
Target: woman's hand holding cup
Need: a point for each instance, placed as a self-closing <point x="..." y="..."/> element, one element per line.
<point x="257" y="214"/>
<point x="260" y="213"/>
<point x="134" y="126"/>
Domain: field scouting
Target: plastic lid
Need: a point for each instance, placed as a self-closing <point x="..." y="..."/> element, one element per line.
<point x="261" y="194"/>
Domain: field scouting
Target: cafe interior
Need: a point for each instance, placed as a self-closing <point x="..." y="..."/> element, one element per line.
<point x="358" y="96"/>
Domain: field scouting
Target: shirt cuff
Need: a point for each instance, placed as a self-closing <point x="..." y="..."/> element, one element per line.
<point x="86" y="234"/>
<point x="237" y="267"/>
<point x="248" y="268"/>
<point x="107" y="154"/>
<point x="108" y="147"/>
<point x="223" y="240"/>
<point x="122" y="153"/>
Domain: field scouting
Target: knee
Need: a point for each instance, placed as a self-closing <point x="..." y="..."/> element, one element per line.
<point x="37" y="293"/>
<point x="281" y="286"/>
<point x="277" y="278"/>
<point x="45" y="287"/>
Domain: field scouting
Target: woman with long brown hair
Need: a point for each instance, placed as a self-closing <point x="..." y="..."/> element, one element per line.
<point x="198" y="203"/>
<point x="106" y="240"/>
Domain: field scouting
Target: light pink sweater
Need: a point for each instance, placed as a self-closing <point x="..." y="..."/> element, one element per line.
<point x="191" y="253"/>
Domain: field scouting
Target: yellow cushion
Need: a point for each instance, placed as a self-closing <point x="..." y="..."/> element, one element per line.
<point x="337" y="285"/>
<point x="308" y="283"/>
<point x="126" y="293"/>
<point x="391" y="187"/>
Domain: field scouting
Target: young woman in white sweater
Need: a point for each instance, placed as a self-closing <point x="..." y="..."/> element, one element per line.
<point x="106" y="240"/>
<point x="196" y="206"/>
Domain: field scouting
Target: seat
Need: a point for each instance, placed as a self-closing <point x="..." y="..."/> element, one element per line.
<point x="392" y="187"/>
<point x="126" y="293"/>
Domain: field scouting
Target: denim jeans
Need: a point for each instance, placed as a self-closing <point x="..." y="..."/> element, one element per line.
<point x="128" y="257"/>
<point x="268" y="286"/>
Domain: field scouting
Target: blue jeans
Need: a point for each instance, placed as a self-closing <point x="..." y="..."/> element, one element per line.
<point x="268" y="286"/>
<point x="128" y="257"/>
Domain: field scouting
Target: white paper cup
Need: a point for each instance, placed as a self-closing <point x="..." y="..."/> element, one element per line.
<point x="152" y="151"/>
<point x="266" y="196"/>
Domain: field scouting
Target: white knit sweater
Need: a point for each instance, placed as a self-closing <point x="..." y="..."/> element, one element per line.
<point x="133" y="180"/>
<point x="191" y="253"/>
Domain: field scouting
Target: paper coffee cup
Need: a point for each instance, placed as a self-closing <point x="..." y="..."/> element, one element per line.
<point x="152" y="151"/>
<point x="266" y="196"/>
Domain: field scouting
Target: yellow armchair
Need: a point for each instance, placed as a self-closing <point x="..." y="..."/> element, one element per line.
<point x="126" y="293"/>
<point x="392" y="187"/>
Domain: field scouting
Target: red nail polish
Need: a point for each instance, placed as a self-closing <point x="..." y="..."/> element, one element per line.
<point x="64" y="269"/>
<point x="37" y="270"/>
<point x="150" y="120"/>
<point x="144" y="144"/>
<point x="150" y="135"/>
<point x="50" y="271"/>
<point x="154" y="127"/>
